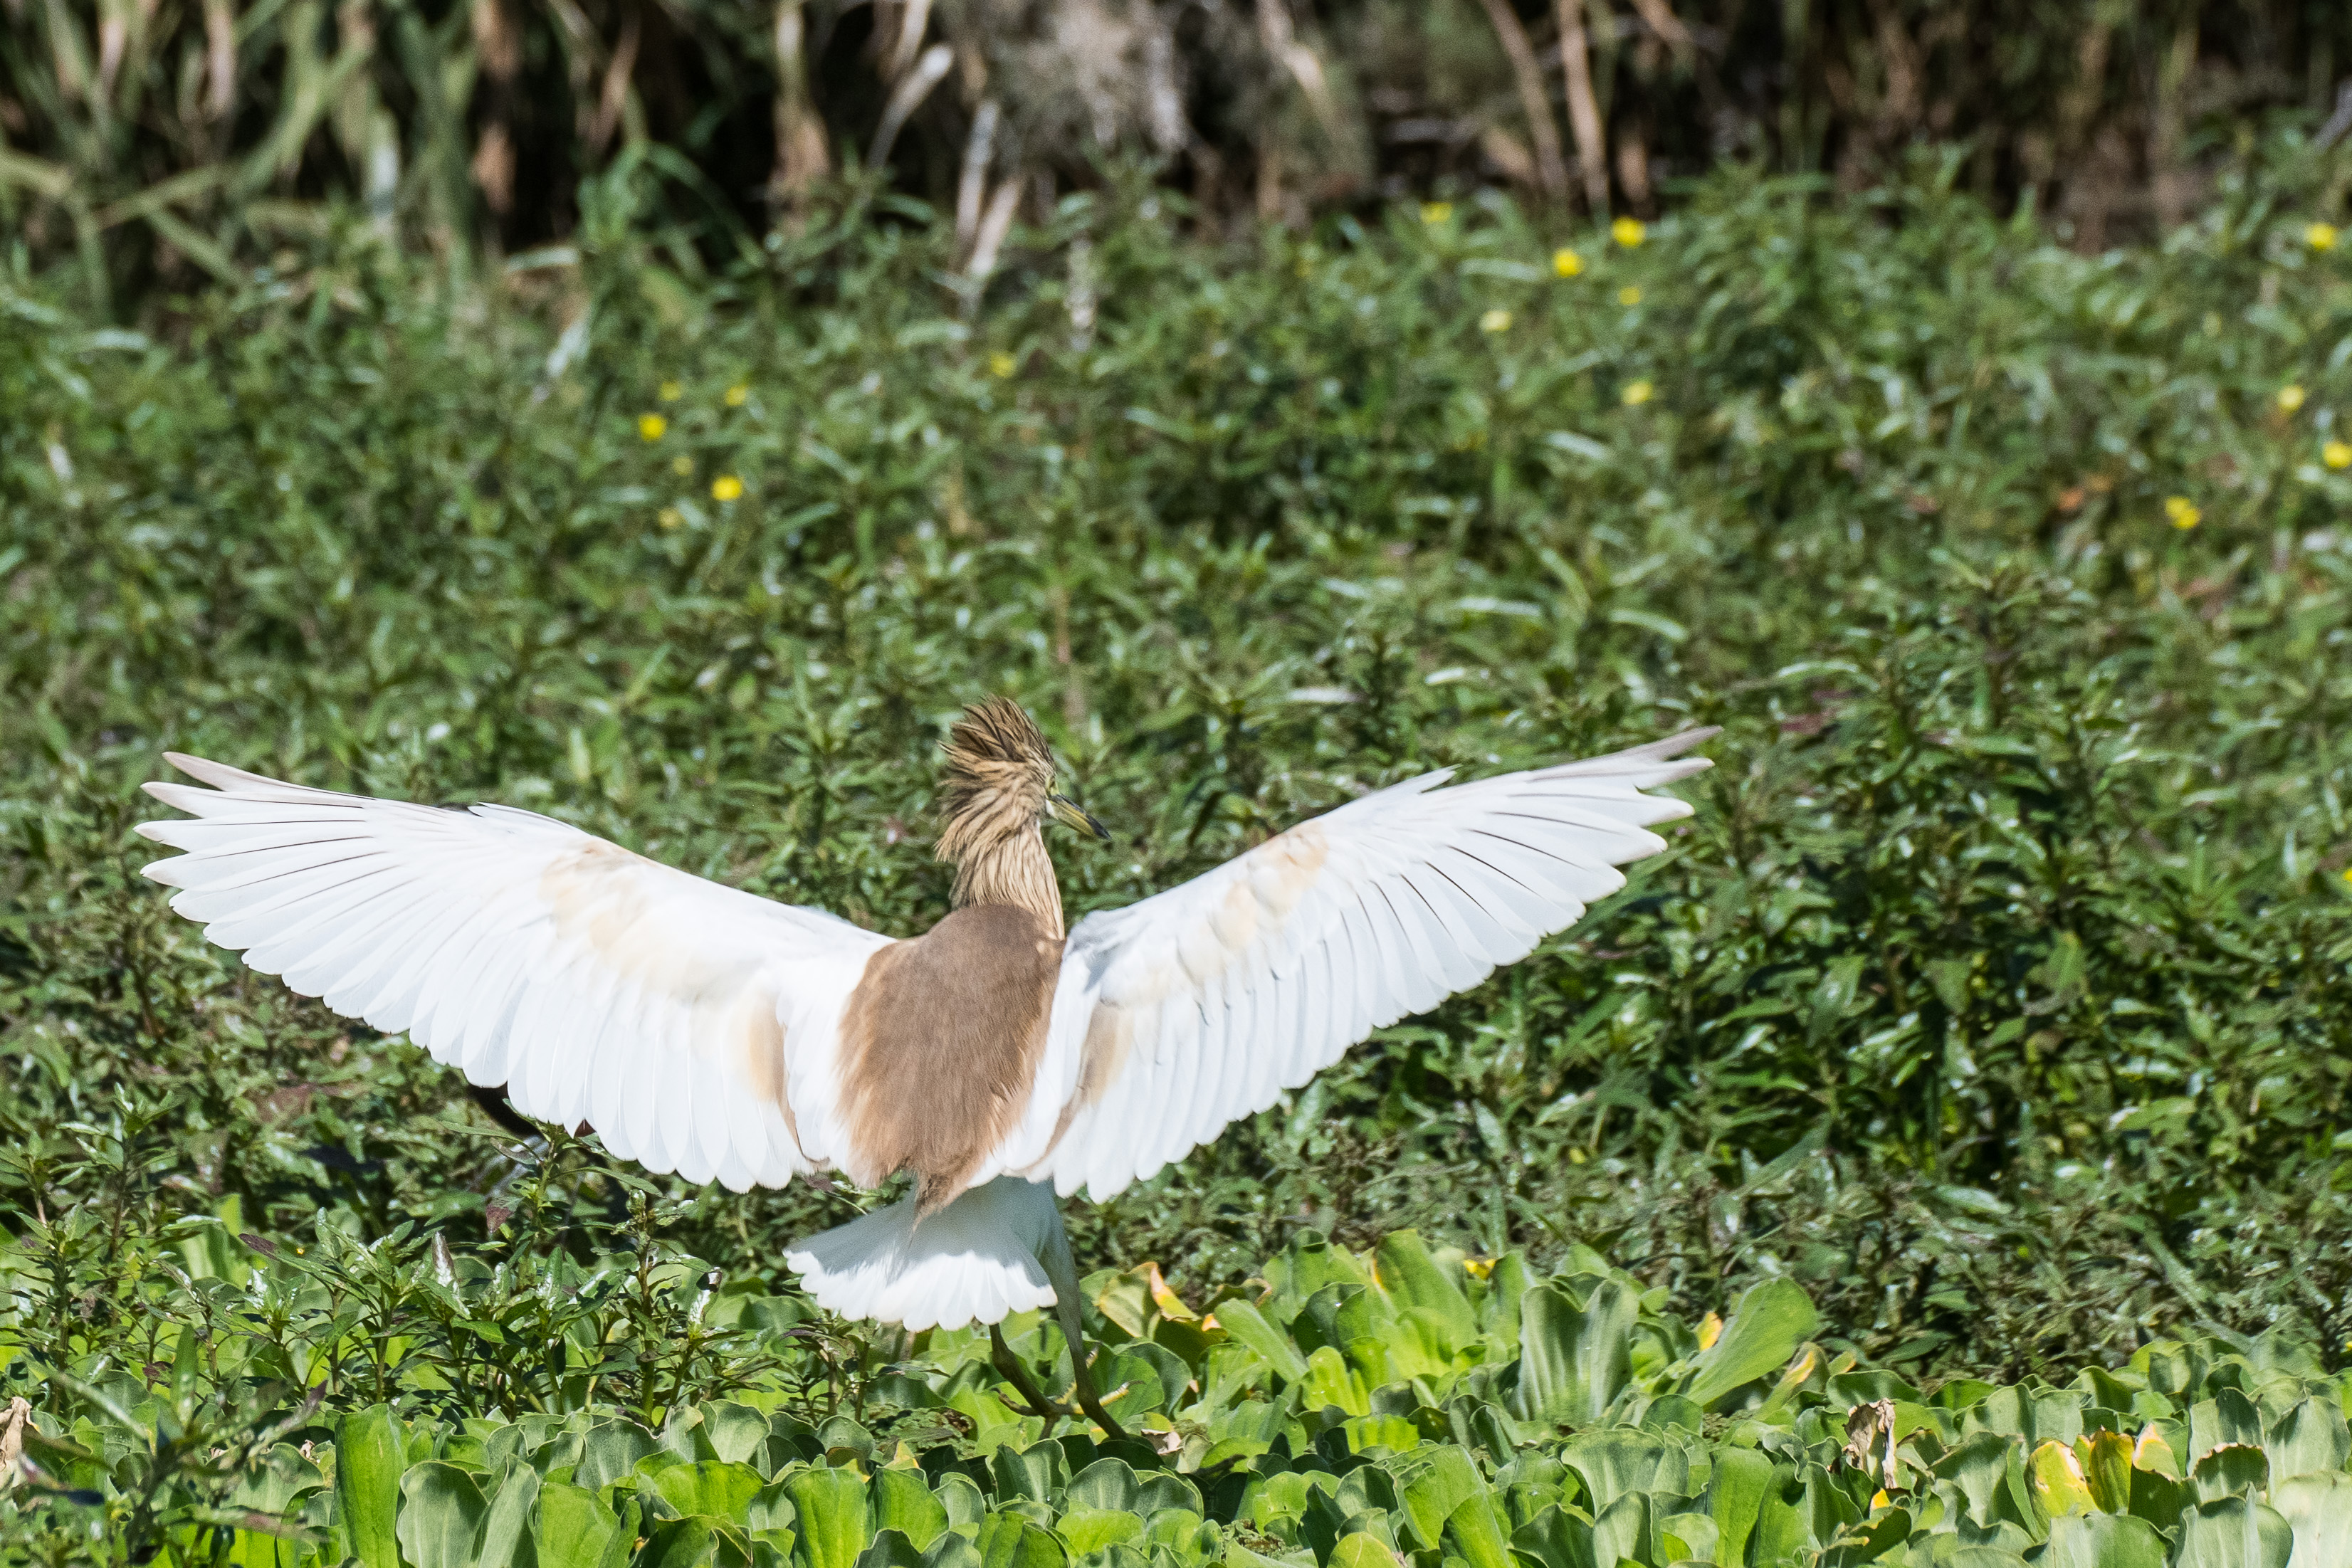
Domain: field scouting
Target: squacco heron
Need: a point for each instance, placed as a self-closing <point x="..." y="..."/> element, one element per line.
<point x="995" y="1058"/>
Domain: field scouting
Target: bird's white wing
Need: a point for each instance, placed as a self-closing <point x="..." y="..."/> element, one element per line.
<point x="1201" y="1005"/>
<point x="668" y="1012"/>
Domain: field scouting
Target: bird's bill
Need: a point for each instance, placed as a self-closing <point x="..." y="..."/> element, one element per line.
<point x="1070" y="814"/>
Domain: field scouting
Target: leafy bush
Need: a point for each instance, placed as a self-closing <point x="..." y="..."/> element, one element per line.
<point x="1995" y="993"/>
<point x="1358" y="1410"/>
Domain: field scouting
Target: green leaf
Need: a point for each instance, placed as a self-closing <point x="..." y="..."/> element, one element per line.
<point x="1736" y="1488"/>
<point x="1616" y="1461"/>
<point x="2103" y="1541"/>
<point x="2230" y="1470"/>
<point x="2234" y="1532"/>
<point x="1475" y="1534"/>
<point x="2318" y="1509"/>
<point x="1246" y="1323"/>
<point x="572" y="1529"/>
<point x="506" y="1529"/>
<point x="900" y="1501"/>
<point x="710" y="1488"/>
<point x="890" y="1549"/>
<point x="441" y="1514"/>
<point x="1557" y="1538"/>
<point x="1105" y="1483"/>
<point x="2310" y="1439"/>
<point x="1039" y="1472"/>
<point x="1084" y="1530"/>
<point x="831" y="1523"/>
<point x="1765" y="1330"/>
<point x="1363" y="1551"/>
<point x="370" y="1454"/>
<point x="1415" y="1282"/>
<point x="1573" y="1361"/>
<point x="1431" y="1481"/>
<point x="2055" y="1476"/>
<point x="1009" y="1541"/>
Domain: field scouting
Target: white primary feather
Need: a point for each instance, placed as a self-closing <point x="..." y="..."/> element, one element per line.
<point x="589" y="981"/>
<point x="1245" y="982"/>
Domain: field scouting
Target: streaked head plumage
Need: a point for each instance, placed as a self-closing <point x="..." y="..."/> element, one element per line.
<point x="1000" y="776"/>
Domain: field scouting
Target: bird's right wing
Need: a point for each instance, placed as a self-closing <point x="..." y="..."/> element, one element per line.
<point x="671" y="1013"/>
<point x="1203" y="1003"/>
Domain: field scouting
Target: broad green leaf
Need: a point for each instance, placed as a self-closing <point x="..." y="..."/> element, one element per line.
<point x="1557" y="1538"/>
<point x="710" y="1487"/>
<point x="1621" y="1531"/>
<point x="2234" y="1532"/>
<point x="2318" y="1509"/>
<point x="2106" y="1464"/>
<point x="2103" y="1541"/>
<point x="900" y="1501"/>
<point x="2230" y="1470"/>
<point x="889" y="1549"/>
<point x="1362" y="1551"/>
<point x="1616" y="1461"/>
<point x="830" y="1525"/>
<point x="572" y="1528"/>
<point x="1416" y="1282"/>
<point x="1737" y="1487"/>
<point x="1764" y="1330"/>
<point x="1475" y="1534"/>
<point x="1573" y="1361"/>
<point x="370" y="1455"/>
<point x="2056" y="1476"/>
<point x="1009" y="1541"/>
<point x="1687" y="1537"/>
<point x="2227" y="1418"/>
<point x="1084" y="1530"/>
<point x="1039" y="1472"/>
<point x="610" y="1450"/>
<point x="1330" y="1380"/>
<point x="1431" y="1481"/>
<point x="1105" y="1483"/>
<point x="2309" y="1439"/>
<point x="1247" y="1324"/>
<point x="441" y="1513"/>
<point x="506" y="1529"/>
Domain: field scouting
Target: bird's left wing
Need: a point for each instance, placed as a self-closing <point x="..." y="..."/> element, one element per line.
<point x="670" y="1012"/>
<point x="1201" y="1005"/>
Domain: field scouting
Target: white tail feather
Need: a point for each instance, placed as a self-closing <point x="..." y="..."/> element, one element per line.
<point x="985" y="1255"/>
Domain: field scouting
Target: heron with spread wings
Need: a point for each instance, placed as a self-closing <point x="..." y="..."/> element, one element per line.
<point x="996" y="1057"/>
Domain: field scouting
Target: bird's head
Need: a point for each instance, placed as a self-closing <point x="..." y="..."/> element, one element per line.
<point x="1000" y="781"/>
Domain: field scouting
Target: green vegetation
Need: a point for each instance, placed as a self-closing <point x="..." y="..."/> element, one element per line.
<point x="1994" y="1002"/>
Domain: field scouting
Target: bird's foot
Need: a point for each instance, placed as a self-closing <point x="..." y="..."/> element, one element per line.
<point x="1082" y="1386"/>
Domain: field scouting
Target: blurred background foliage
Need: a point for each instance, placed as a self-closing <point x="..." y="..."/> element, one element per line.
<point x="163" y="144"/>
<point x="1996" y="992"/>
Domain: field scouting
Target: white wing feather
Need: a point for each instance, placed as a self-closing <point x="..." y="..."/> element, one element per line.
<point x="680" y="1016"/>
<point x="1180" y="1014"/>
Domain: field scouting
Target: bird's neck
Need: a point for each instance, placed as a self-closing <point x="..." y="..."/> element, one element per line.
<point x="1014" y="868"/>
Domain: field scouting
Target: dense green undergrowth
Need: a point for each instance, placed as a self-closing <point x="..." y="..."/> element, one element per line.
<point x="1995" y="995"/>
<point x="1345" y="1410"/>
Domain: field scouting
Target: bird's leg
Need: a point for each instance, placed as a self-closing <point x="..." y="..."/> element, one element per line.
<point x="1008" y="1364"/>
<point x="1063" y="1270"/>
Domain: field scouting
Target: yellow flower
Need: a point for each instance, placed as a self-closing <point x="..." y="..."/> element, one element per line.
<point x="2336" y="454"/>
<point x="1628" y="232"/>
<point x="2290" y="398"/>
<point x="670" y="517"/>
<point x="738" y="395"/>
<point x="681" y="465"/>
<point x="1001" y="364"/>
<point x="1495" y="321"/>
<point x="1636" y="393"/>
<point x="2348" y="873"/>
<point x="726" y="487"/>
<point x="1566" y="262"/>
<point x="652" y="426"/>
<point x="2320" y="237"/>
<point x="1436" y="211"/>
<point x="1628" y="295"/>
<point x="2183" y="512"/>
<point x="671" y="392"/>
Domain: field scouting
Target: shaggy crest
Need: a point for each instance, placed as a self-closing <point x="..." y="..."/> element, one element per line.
<point x="998" y="773"/>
